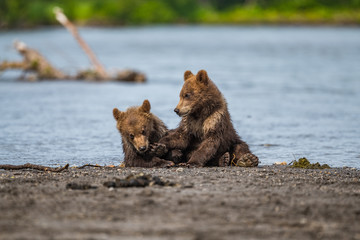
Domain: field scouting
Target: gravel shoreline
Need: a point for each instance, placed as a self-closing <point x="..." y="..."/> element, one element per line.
<point x="268" y="202"/>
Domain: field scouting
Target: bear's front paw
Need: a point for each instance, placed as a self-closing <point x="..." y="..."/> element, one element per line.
<point x="158" y="149"/>
<point x="176" y="156"/>
<point x="224" y="160"/>
<point x="167" y="164"/>
<point x="248" y="160"/>
<point x="191" y="164"/>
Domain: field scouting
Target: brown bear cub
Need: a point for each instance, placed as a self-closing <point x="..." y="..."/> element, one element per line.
<point x="206" y="134"/>
<point x="140" y="129"/>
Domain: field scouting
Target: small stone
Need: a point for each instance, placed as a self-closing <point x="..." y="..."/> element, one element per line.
<point x="109" y="184"/>
<point x="79" y="186"/>
<point x="157" y="181"/>
<point x="188" y="185"/>
<point x="147" y="192"/>
<point x="139" y="180"/>
<point x="280" y="163"/>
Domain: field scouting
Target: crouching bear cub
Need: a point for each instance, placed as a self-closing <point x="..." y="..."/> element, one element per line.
<point x="140" y="129"/>
<point x="206" y="134"/>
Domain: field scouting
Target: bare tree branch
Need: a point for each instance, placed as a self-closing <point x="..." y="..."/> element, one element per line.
<point x="61" y="17"/>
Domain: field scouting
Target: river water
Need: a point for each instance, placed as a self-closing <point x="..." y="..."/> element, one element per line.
<point x="292" y="91"/>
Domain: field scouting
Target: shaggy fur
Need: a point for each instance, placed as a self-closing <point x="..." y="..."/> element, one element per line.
<point x="206" y="134"/>
<point x="139" y="129"/>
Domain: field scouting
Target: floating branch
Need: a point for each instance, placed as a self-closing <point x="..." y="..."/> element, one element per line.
<point x="33" y="166"/>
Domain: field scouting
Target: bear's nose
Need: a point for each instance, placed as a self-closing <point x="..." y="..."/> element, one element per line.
<point x="142" y="148"/>
<point x="176" y="110"/>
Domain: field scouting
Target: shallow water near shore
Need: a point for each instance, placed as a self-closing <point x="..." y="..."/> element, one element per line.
<point x="292" y="91"/>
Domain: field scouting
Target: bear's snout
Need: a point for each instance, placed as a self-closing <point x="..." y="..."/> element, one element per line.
<point x="176" y="110"/>
<point x="142" y="148"/>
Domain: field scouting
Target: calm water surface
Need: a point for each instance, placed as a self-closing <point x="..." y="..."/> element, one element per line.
<point x="292" y="92"/>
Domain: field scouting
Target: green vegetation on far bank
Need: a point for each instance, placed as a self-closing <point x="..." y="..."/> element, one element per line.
<point x="25" y="13"/>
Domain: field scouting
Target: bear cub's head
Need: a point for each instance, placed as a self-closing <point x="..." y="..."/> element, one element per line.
<point x="135" y="126"/>
<point x="192" y="93"/>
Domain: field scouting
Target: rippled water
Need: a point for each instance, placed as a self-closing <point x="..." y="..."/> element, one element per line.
<point x="292" y="91"/>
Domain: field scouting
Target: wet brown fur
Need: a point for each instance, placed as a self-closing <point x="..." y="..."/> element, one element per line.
<point x="205" y="132"/>
<point x="139" y="128"/>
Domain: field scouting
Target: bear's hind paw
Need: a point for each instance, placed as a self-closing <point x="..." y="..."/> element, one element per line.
<point x="248" y="160"/>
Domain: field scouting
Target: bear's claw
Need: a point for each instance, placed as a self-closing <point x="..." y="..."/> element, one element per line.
<point x="224" y="160"/>
<point x="187" y="165"/>
<point x="168" y="164"/>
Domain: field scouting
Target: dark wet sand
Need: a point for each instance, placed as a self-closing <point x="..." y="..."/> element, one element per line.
<point x="269" y="202"/>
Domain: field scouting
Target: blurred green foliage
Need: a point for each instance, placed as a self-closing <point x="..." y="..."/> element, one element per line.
<point x="29" y="13"/>
<point x="304" y="163"/>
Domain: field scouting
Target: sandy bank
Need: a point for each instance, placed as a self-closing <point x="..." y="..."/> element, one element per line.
<point x="269" y="202"/>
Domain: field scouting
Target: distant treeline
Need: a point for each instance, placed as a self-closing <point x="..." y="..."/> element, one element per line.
<point x="30" y="13"/>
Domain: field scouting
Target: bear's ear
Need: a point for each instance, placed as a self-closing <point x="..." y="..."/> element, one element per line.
<point x="202" y="77"/>
<point x="117" y="114"/>
<point x="187" y="75"/>
<point x="146" y="106"/>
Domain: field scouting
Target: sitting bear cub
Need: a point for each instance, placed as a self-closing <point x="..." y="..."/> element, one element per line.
<point x="140" y="129"/>
<point x="206" y="134"/>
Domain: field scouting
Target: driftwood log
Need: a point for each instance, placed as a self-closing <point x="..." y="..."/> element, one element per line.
<point x="34" y="62"/>
<point x="99" y="69"/>
<point x="33" y="166"/>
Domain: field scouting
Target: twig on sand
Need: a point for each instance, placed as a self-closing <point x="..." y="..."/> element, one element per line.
<point x="88" y="165"/>
<point x="33" y="166"/>
<point x="95" y="166"/>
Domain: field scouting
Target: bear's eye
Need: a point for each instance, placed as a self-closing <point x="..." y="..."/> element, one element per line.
<point x="131" y="136"/>
<point x="143" y="132"/>
<point x="187" y="95"/>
